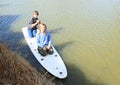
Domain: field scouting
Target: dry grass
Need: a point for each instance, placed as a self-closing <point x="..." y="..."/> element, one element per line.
<point x="14" y="70"/>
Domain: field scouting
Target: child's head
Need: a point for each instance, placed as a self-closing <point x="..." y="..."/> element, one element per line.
<point x="35" y="14"/>
<point x="42" y="27"/>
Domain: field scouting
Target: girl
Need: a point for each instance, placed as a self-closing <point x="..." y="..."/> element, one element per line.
<point x="44" y="40"/>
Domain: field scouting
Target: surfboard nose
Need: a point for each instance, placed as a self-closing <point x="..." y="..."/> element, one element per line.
<point x="63" y="74"/>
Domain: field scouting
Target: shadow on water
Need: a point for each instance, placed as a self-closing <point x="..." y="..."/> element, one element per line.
<point x="15" y="40"/>
<point x="78" y="76"/>
<point x="60" y="47"/>
<point x="54" y="31"/>
<point x="74" y="74"/>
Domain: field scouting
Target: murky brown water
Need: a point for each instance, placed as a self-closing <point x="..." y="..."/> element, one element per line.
<point x="85" y="32"/>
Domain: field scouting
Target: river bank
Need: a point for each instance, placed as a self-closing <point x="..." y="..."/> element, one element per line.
<point x="15" y="70"/>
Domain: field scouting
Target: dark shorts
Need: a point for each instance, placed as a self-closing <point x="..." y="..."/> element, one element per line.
<point x="45" y="52"/>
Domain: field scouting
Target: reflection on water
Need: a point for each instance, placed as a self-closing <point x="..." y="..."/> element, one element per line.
<point x="85" y="32"/>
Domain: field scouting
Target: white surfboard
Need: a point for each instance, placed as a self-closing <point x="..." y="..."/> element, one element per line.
<point x="52" y="63"/>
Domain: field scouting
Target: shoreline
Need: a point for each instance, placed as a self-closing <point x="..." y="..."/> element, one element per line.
<point x="16" y="70"/>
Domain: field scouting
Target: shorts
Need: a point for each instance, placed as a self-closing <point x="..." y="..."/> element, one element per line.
<point x="45" y="52"/>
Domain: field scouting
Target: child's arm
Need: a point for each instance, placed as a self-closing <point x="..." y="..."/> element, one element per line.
<point x="33" y="25"/>
<point x="49" y="39"/>
<point x="38" y="41"/>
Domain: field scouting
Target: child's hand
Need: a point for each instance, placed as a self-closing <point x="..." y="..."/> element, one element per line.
<point x="38" y="21"/>
<point x="48" y="47"/>
<point x="44" y="49"/>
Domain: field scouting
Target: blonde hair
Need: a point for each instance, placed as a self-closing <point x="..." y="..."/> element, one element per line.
<point x="44" y="25"/>
<point x="39" y="25"/>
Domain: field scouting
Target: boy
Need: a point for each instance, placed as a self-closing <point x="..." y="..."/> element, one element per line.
<point x="32" y="29"/>
<point x="44" y="40"/>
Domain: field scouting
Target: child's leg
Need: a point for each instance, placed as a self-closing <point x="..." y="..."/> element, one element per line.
<point x="42" y="51"/>
<point x="30" y="32"/>
<point x="50" y="51"/>
<point x="34" y="32"/>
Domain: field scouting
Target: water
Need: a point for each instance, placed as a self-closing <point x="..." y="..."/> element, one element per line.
<point x="86" y="33"/>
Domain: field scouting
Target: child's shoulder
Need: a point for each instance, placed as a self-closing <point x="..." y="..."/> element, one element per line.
<point x="48" y="32"/>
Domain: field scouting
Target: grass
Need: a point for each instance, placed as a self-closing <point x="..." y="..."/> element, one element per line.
<point x="15" y="70"/>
